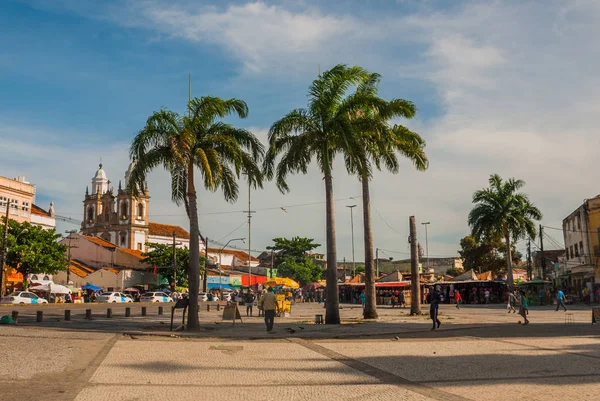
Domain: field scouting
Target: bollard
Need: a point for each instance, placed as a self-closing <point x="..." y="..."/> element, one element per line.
<point x="109" y="312"/>
<point x="208" y="308"/>
<point x="143" y="311"/>
<point x="39" y="316"/>
<point x="15" y="316"/>
<point x="127" y="312"/>
<point x="160" y="310"/>
<point x="88" y="314"/>
<point x="67" y="315"/>
<point x="218" y="307"/>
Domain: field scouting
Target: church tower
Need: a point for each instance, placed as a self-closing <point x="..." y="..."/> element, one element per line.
<point x="122" y="219"/>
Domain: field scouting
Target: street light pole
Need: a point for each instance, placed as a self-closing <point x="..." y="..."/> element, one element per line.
<point x="426" y="243"/>
<point x="250" y="211"/>
<point x="351" y="207"/>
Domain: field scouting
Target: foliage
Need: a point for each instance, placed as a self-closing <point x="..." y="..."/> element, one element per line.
<point x="35" y="251"/>
<point x="199" y="140"/>
<point x="360" y="269"/>
<point x="501" y="211"/>
<point x="296" y="248"/>
<point x="304" y="272"/>
<point x="161" y="255"/>
<point x="489" y="254"/>
<point x="454" y="272"/>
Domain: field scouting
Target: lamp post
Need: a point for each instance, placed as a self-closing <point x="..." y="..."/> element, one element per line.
<point x="426" y="243"/>
<point x="221" y="250"/>
<point x="351" y="207"/>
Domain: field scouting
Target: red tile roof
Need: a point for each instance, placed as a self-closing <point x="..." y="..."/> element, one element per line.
<point x="238" y="254"/>
<point x="133" y="252"/>
<point x="81" y="269"/>
<point x="166" y="230"/>
<point x="99" y="241"/>
<point x="35" y="209"/>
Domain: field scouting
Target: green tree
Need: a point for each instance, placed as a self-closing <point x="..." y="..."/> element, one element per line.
<point x="360" y="269"/>
<point x="318" y="132"/>
<point x="489" y="254"/>
<point x="34" y="251"/>
<point x="303" y="271"/>
<point x="502" y="211"/>
<point x="161" y="255"/>
<point x="373" y="143"/>
<point x="180" y="144"/>
<point x="296" y="248"/>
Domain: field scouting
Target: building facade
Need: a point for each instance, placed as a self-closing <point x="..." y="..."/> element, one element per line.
<point x="581" y="231"/>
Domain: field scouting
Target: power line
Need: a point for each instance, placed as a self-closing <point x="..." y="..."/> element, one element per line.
<point x="386" y="223"/>
<point x="572" y="231"/>
<point x="231" y="232"/>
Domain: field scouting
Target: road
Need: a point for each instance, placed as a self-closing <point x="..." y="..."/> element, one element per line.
<point x="478" y="354"/>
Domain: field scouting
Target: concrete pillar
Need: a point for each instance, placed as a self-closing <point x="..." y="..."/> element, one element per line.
<point x="143" y="311"/>
<point x="109" y="312"/>
<point x="127" y="312"/>
<point x="160" y="310"/>
<point x="67" y="315"/>
<point x="39" y="317"/>
<point x="88" y="314"/>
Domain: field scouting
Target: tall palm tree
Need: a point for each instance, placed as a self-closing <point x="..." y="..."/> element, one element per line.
<point x="182" y="144"/>
<point x="317" y="132"/>
<point x="502" y="211"/>
<point x="374" y="143"/>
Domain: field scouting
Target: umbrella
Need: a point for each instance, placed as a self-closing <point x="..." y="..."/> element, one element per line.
<point x="131" y="289"/>
<point x="281" y="282"/>
<point x="311" y="287"/>
<point x="52" y="288"/>
<point x="92" y="287"/>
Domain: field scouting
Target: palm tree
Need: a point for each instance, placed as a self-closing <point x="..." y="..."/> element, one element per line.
<point x="373" y="143"/>
<point x="501" y="211"/>
<point x="181" y="144"/>
<point x="317" y="132"/>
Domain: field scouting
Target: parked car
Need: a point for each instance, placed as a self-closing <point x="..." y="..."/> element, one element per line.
<point x="22" y="298"/>
<point x="227" y="296"/>
<point x="113" y="297"/>
<point x="203" y="297"/>
<point x="155" y="297"/>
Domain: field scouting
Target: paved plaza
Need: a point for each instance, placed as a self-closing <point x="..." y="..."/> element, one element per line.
<point x="479" y="353"/>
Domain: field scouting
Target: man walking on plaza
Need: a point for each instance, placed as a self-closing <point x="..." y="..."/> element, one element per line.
<point x="560" y="300"/>
<point x="458" y="298"/>
<point x="269" y="304"/>
<point x="249" y="300"/>
<point x="433" y="309"/>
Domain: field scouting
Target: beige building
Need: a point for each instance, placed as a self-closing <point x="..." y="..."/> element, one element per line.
<point x="21" y="195"/>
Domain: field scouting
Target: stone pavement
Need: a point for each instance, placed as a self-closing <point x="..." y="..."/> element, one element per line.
<point x="478" y="354"/>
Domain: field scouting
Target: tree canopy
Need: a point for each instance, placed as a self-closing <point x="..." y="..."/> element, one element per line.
<point x="304" y="271"/>
<point x="161" y="255"/>
<point x="486" y="255"/>
<point x="296" y="248"/>
<point x="34" y="251"/>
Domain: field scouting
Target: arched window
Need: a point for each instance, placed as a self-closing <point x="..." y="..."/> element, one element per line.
<point x="140" y="211"/>
<point x="124" y="209"/>
<point x="34" y="277"/>
<point x="107" y="215"/>
<point x="46" y="278"/>
<point x="90" y="214"/>
<point x="105" y="237"/>
<point x="123" y="239"/>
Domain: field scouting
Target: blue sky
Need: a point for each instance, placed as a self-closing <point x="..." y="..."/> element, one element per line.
<point x="501" y="87"/>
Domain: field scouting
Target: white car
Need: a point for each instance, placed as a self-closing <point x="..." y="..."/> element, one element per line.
<point x="155" y="297"/>
<point x="113" y="297"/>
<point x="227" y="296"/>
<point x="23" y="297"/>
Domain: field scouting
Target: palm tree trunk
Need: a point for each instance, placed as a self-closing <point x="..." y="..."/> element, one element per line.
<point x="370" y="311"/>
<point x="332" y="311"/>
<point x="509" y="273"/>
<point x="194" y="267"/>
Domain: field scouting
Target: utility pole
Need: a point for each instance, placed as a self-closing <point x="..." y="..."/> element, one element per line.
<point x="426" y="243"/>
<point x="351" y="207"/>
<point x="70" y="232"/>
<point x="415" y="289"/>
<point x="376" y="263"/>
<point x="345" y="269"/>
<point x="4" y="249"/>
<point x="174" y="263"/>
<point x="543" y="260"/>
<point x="529" y="267"/>
<point x="250" y="211"/>
<point x="205" y="283"/>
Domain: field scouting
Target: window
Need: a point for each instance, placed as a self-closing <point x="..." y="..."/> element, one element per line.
<point x="567" y="252"/>
<point x="34" y="277"/>
<point x="14" y="206"/>
<point x="124" y="209"/>
<point x="123" y="239"/>
<point x="25" y="209"/>
<point x="139" y="246"/>
<point x="90" y="214"/>
<point x="581" y="248"/>
<point x="107" y="215"/>
<point x="140" y="211"/>
<point x="3" y="202"/>
<point x="571" y="248"/>
<point x="578" y="222"/>
<point x="576" y="250"/>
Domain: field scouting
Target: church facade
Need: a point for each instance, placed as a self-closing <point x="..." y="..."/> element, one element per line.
<point x="119" y="218"/>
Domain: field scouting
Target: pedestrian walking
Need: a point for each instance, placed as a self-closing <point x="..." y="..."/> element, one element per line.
<point x="487" y="296"/>
<point x="524" y="307"/>
<point x="511" y="302"/>
<point x="434" y="308"/>
<point x="269" y="305"/>
<point x="458" y="299"/>
<point x="363" y="299"/>
<point x="401" y="299"/>
<point x="249" y="300"/>
<point x="541" y="294"/>
<point x="560" y="300"/>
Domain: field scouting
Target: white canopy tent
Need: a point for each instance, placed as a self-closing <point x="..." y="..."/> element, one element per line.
<point x="52" y="288"/>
